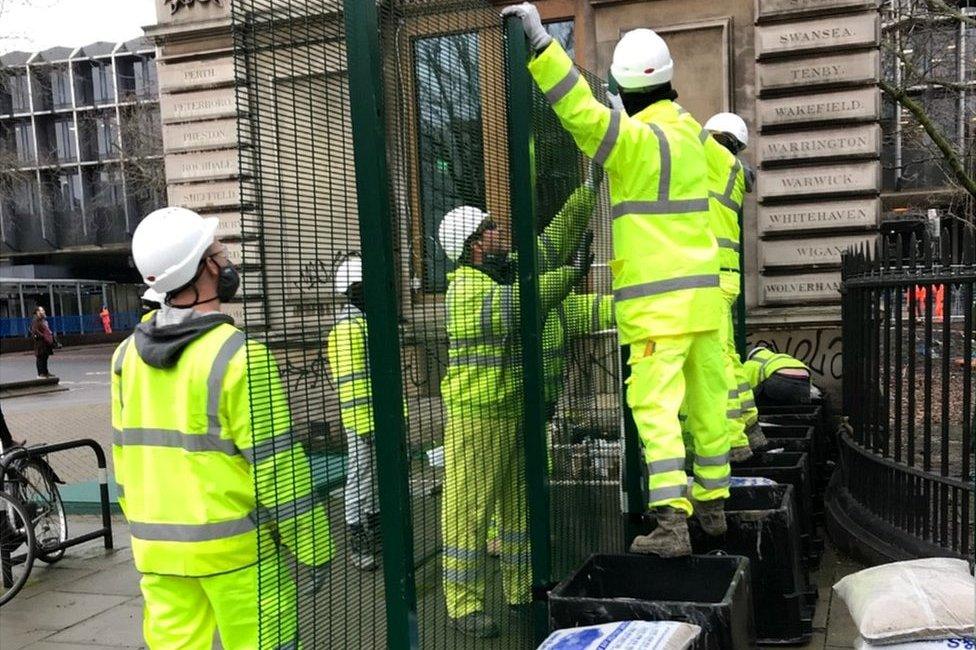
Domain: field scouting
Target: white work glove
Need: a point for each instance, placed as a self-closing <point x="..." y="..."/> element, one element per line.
<point x="616" y="103"/>
<point x="536" y="34"/>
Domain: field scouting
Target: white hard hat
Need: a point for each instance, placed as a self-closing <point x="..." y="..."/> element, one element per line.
<point x="348" y="273"/>
<point x="729" y="123"/>
<point x="456" y="226"/>
<point x="151" y="295"/>
<point x="168" y="245"/>
<point x="641" y="60"/>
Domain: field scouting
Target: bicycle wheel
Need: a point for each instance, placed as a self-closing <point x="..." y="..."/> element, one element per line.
<point x="39" y="493"/>
<point x="16" y="547"/>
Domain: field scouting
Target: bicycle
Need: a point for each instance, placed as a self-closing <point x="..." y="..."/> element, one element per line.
<point x="33" y="516"/>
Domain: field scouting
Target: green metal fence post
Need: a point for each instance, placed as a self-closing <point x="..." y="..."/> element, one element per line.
<point x="523" y="228"/>
<point x="634" y="499"/>
<point x="379" y="274"/>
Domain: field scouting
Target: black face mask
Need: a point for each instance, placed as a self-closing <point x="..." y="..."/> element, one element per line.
<point x="499" y="267"/>
<point x="729" y="142"/>
<point x="228" y="283"/>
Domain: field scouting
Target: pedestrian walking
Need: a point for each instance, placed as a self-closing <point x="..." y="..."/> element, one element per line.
<point x="667" y="296"/>
<point x="212" y="495"/>
<point x="44" y="341"/>
<point x="106" y="319"/>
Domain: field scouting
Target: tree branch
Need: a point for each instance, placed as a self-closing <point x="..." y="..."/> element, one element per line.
<point x="940" y="7"/>
<point x="949" y="152"/>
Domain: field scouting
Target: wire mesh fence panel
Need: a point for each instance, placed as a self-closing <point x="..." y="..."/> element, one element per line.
<point x="453" y="188"/>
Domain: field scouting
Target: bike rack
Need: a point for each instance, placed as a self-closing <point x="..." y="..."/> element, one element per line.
<point x="105" y="531"/>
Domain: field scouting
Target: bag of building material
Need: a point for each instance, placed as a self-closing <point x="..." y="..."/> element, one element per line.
<point x="959" y="643"/>
<point x="627" y="635"/>
<point x="916" y="600"/>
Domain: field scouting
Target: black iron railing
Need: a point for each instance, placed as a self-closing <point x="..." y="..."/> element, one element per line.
<point x="908" y="386"/>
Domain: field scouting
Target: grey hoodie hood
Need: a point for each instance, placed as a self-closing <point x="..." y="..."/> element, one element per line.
<point x="161" y="345"/>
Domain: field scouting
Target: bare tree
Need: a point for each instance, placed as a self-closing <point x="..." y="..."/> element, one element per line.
<point x="930" y="82"/>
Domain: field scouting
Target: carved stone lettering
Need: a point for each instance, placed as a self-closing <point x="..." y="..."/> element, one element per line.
<point x="825" y="180"/>
<point x="814" y="251"/>
<point x="207" y="73"/>
<point x="205" y="195"/>
<point x="838" y="32"/>
<point x="863" y="104"/>
<point x="255" y="313"/>
<point x="199" y="135"/>
<point x="832" y="215"/>
<point x="185" y="107"/>
<point x="861" y="67"/>
<point x="780" y="8"/>
<point x="229" y="226"/>
<point x="201" y="165"/>
<point x="800" y="289"/>
<point x="833" y="143"/>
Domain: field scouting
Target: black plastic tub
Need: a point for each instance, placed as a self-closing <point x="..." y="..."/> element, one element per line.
<point x="807" y="411"/>
<point x="713" y="592"/>
<point x="762" y="526"/>
<point x="790" y="468"/>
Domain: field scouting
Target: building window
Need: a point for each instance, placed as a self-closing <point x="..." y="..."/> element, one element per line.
<point x="102" y="89"/>
<point x="68" y="199"/>
<point x="450" y="141"/>
<point x="60" y="87"/>
<point x="19" y="93"/>
<point x="24" y="142"/>
<point x="563" y="31"/>
<point x="144" y="77"/>
<point x="106" y="136"/>
<point x="64" y="140"/>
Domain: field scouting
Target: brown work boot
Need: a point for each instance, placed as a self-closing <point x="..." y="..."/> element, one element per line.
<point x="669" y="539"/>
<point x="757" y="439"/>
<point x="711" y="516"/>
<point x="740" y="454"/>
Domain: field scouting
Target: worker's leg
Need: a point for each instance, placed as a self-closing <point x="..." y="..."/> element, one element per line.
<point x="360" y="500"/>
<point x="748" y="414"/>
<point x="784" y="390"/>
<point x="735" y="429"/>
<point x="513" y="518"/>
<point x="707" y="395"/>
<point x="469" y="483"/>
<point x="655" y="390"/>
<point x="255" y="607"/>
<point x="176" y="613"/>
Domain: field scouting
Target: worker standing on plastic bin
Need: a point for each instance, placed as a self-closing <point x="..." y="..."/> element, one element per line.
<point x="201" y="481"/>
<point x="777" y="378"/>
<point x="349" y="364"/>
<point x="484" y="466"/>
<point x="729" y="180"/>
<point x="669" y="304"/>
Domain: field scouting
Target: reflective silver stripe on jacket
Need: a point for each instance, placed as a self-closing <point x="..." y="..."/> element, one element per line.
<point x="265" y="449"/>
<point x="562" y="88"/>
<point x="666" y="465"/>
<point x="661" y="206"/>
<point x="151" y="437"/>
<point x="356" y="401"/>
<point x="609" y="139"/>
<point x="120" y="357"/>
<point x="350" y="377"/>
<point x="724" y="200"/>
<point x="669" y="492"/>
<point x="289" y="510"/>
<point x="713" y="483"/>
<point x="711" y="461"/>
<point x="463" y="554"/>
<point x="665" y="286"/>
<point x="728" y="243"/>
<point x="476" y="360"/>
<point x="191" y="532"/>
<point x="215" y="380"/>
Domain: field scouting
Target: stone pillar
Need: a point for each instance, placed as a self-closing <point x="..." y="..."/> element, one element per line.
<point x="198" y="109"/>
<point x="819" y="180"/>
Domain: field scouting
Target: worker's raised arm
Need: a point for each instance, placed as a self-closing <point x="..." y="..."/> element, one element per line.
<point x="561" y="237"/>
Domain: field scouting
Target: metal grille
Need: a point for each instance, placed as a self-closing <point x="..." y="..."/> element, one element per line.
<point x="510" y="436"/>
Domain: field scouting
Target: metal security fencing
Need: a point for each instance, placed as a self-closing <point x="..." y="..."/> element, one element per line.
<point x="908" y="334"/>
<point x="465" y="430"/>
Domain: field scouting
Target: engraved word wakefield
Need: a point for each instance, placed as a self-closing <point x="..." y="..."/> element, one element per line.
<point x="815" y="251"/>
<point x="833" y="143"/>
<point x="780" y="8"/>
<point x="198" y="105"/>
<point x="802" y="288"/>
<point x="200" y="135"/>
<point x="863" y="104"/>
<point x="862" y="67"/>
<point x="843" y="32"/>
<point x="824" y="180"/>
<point x="831" y="215"/>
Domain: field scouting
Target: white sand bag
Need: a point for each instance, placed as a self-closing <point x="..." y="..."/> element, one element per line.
<point x="958" y="643"/>
<point x="916" y="600"/>
<point x="628" y="635"/>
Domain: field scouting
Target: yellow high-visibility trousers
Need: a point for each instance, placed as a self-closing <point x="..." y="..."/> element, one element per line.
<point x="735" y="424"/>
<point x="484" y="466"/>
<point x="664" y="372"/>
<point x="183" y="613"/>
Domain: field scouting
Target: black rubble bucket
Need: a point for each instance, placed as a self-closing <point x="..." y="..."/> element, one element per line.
<point x="799" y="411"/>
<point x="762" y="526"/>
<point x="803" y="438"/>
<point x="790" y="468"/>
<point x="713" y="592"/>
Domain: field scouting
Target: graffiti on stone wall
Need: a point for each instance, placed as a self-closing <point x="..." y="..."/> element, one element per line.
<point x="821" y="349"/>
